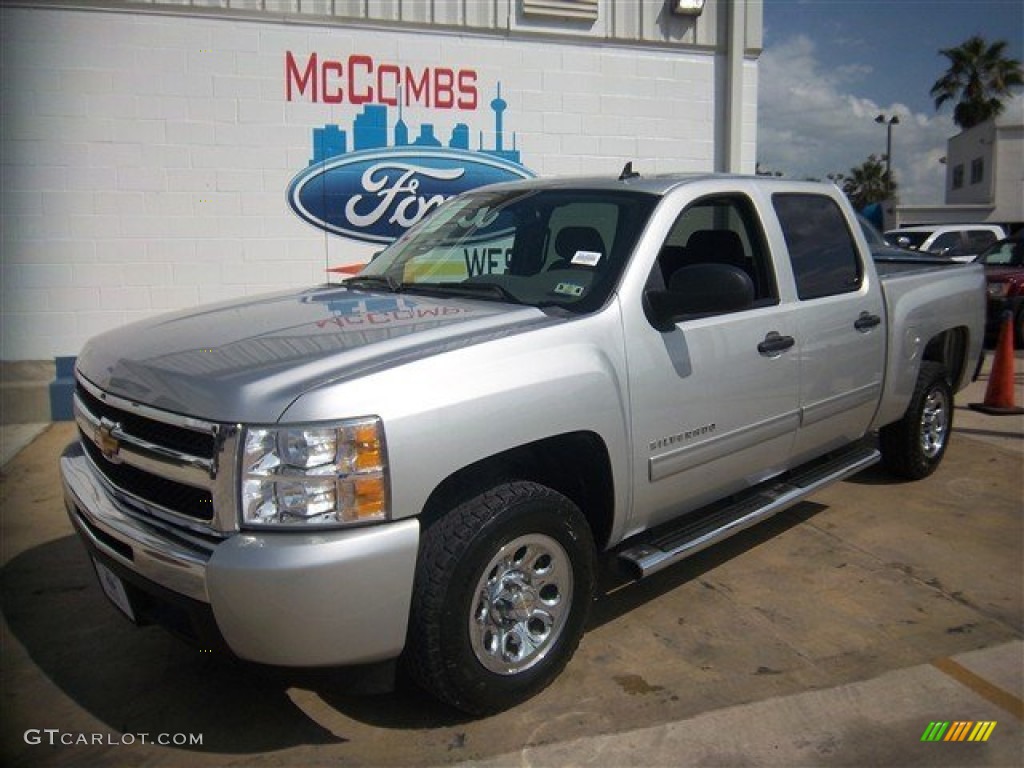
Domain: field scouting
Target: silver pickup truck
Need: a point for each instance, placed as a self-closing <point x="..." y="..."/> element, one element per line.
<point x="424" y="463"/>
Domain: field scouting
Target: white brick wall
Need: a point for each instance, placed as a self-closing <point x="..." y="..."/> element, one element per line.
<point x="145" y="157"/>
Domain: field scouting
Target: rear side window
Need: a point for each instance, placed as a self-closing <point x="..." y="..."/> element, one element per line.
<point x="980" y="238"/>
<point x="821" y="248"/>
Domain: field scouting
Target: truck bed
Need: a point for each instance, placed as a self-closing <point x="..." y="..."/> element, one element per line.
<point x="923" y="299"/>
<point x="893" y="266"/>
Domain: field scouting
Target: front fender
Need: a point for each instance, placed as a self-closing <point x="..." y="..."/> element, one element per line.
<point x="451" y="410"/>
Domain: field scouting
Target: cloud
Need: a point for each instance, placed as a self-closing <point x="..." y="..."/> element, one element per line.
<point x="812" y="122"/>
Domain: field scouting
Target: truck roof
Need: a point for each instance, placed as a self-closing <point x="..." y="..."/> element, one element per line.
<point x="656" y="184"/>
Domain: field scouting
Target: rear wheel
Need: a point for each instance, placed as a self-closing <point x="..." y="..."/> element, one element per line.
<point x="914" y="446"/>
<point x="502" y="590"/>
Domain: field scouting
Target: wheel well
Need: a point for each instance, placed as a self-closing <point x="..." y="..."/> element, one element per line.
<point x="575" y="464"/>
<point x="950" y="349"/>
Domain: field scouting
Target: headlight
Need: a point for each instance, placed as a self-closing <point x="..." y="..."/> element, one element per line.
<point x="315" y="475"/>
<point x="998" y="290"/>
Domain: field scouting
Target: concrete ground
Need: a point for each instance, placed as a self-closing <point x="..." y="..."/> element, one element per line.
<point x="831" y="635"/>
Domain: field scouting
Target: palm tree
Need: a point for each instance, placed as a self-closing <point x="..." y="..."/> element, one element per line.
<point x="867" y="183"/>
<point x="979" y="78"/>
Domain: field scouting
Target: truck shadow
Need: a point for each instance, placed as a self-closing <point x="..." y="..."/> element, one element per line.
<point x="620" y="593"/>
<point x="146" y="681"/>
<point x="876" y="475"/>
<point x="133" y="680"/>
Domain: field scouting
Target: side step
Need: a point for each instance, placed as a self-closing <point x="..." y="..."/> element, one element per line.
<point x="697" y="531"/>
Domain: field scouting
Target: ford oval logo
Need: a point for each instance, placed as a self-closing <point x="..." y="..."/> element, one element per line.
<point x="376" y="195"/>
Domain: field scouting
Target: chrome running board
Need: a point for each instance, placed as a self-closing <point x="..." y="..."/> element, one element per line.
<point x="697" y="531"/>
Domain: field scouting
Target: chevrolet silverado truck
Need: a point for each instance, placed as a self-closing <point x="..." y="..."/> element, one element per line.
<point x="426" y="463"/>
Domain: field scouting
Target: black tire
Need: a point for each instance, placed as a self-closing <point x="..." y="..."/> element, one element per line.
<point x="503" y="586"/>
<point x="913" y="447"/>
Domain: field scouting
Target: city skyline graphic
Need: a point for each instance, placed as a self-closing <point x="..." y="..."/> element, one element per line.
<point x="370" y="131"/>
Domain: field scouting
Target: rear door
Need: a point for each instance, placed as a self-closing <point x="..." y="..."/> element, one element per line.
<point x="841" y="325"/>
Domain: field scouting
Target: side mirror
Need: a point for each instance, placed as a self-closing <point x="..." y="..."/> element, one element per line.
<point x="699" y="289"/>
<point x="903" y="241"/>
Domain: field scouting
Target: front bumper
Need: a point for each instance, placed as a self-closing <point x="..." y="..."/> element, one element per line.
<point x="297" y="599"/>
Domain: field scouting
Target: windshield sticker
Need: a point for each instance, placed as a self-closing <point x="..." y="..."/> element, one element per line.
<point x="586" y="258"/>
<point x="569" y="289"/>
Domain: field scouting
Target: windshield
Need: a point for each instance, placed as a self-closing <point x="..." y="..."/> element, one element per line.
<point x="1007" y="253"/>
<point x="555" y="247"/>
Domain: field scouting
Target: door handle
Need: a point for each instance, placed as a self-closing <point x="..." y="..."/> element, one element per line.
<point x="866" y="322"/>
<point x="775" y="344"/>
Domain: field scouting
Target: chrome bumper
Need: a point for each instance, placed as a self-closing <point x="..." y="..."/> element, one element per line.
<point x="326" y="598"/>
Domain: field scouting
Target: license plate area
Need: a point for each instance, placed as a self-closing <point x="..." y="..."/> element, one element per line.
<point x="114" y="589"/>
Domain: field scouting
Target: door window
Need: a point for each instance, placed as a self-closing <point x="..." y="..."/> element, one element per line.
<point x="945" y="242"/>
<point x="821" y="247"/>
<point x="980" y="239"/>
<point x="719" y="230"/>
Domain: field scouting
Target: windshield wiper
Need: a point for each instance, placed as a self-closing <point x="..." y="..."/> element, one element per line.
<point x="375" y="281"/>
<point x="476" y="290"/>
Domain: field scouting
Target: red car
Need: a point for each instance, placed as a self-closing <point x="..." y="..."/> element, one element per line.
<point x="1004" y="272"/>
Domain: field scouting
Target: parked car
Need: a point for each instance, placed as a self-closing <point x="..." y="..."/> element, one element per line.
<point x="1004" y="275"/>
<point x="883" y="251"/>
<point x="429" y="461"/>
<point x="960" y="242"/>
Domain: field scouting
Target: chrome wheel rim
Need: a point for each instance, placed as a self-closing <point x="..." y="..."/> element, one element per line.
<point x="521" y="603"/>
<point x="934" y="423"/>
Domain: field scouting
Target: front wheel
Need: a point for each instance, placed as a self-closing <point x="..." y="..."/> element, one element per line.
<point x="913" y="447"/>
<point x="502" y="590"/>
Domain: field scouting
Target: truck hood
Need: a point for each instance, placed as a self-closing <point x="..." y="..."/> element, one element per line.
<point x="246" y="361"/>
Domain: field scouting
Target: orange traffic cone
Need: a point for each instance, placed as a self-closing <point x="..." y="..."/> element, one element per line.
<point x="999" y="394"/>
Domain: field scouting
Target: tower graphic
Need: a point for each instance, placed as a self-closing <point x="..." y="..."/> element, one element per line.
<point x="499" y="105"/>
<point x="370" y="131"/>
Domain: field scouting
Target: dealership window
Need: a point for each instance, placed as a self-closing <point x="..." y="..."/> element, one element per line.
<point x="977" y="170"/>
<point x="583" y="10"/>
<point x="958" y="176"/>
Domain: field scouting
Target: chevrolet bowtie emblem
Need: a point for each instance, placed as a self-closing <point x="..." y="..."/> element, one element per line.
<point x="106" y="442"/>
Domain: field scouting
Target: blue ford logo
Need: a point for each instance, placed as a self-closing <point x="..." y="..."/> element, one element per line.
<point x="376" y="195"/>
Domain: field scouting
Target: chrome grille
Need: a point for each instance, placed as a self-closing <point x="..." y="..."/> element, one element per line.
<point x="161" y="464"/>
<point x="195" y="503"/>
<point x="160" y="433"/>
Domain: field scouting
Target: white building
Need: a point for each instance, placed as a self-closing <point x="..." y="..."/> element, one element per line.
<point x="156" y="154"/>
<point x="984" y="175"/>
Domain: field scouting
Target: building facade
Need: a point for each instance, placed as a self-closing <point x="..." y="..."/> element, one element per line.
<point x="984" y="175"/>
<point x="159" y="155"/>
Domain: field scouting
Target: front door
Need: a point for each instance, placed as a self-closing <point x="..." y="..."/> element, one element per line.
<point x="714" y="400"/>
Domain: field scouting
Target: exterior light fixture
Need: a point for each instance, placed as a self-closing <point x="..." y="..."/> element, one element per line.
<point x="686" y="7"/>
